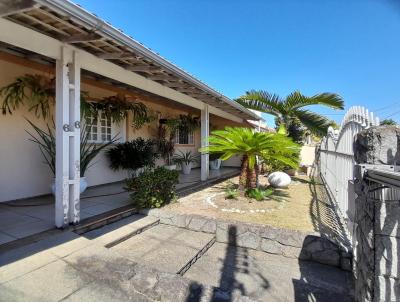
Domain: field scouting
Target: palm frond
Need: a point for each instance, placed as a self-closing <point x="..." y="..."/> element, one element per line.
<point x="245" y="141"/>
<point x="316" y="123"/>
<point x="262" y="101"/>
<point x="297" y="100"/>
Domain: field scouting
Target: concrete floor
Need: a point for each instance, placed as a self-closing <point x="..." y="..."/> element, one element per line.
<point x="69" y="267"/>
<point x="267" y="277"/>
<point x="30" y="216"/>
<point x="165" y="247"/>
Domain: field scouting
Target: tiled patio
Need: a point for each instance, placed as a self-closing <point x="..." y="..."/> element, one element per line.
<point x="30" y="216"/>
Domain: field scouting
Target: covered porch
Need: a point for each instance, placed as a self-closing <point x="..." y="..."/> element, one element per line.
<point x="30" y="216"/>
<point x="77" y="48"/>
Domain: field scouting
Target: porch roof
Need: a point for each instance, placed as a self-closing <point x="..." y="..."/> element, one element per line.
<point x="71" y="24"/>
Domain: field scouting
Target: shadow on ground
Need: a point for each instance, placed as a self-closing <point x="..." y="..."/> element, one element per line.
<point x="264" y="277"/>
<point x="323" y="214"/>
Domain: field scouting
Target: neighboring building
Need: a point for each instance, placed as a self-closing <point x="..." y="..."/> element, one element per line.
<point x="260" y="125"/>
<point x="54" y="38"/>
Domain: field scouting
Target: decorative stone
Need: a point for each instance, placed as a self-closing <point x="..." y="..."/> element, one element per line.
<point x="329" y="257"/>
<point x="288" y="243"/>
<point x="279" y="179"/>
<point x="378" y="145"/>
<point x="210" y="227"/>
<point x="271" y="246"/>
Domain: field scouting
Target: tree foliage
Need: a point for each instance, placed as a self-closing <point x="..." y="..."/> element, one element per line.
<point x="388" y="122"/>
<point x="292" y="109"/>
<point x="244" y="141"/>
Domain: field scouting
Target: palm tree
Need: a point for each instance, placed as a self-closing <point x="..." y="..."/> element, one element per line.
<point x="245" y="141"/>
<point x="291" y="109"/>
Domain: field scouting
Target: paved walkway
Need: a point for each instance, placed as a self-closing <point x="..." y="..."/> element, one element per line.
<point x="30" y="216"/>
<point x="137" y="259"/>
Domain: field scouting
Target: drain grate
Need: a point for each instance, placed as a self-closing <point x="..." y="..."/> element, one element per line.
<point x="196" y="257"/>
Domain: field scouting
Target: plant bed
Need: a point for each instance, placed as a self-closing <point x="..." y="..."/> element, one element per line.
<point x="284" y="208"/>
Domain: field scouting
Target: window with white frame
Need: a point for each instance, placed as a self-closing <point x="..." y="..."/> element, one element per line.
<point x="184" y="136"/>
<point x="101" y="129"/>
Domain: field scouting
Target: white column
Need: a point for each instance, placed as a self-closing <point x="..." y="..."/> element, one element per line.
<point x="74" y="142"/>
<point x="205" y="129"/>
<point x="67" y="139"/>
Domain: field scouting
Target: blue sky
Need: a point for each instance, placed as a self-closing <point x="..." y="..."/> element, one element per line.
<point x="348" y="47"/>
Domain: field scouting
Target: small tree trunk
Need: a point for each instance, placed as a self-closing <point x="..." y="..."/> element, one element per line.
<point x="257" y="168"/>
<point x="243" y="173"/>
<point x="251" y="178"/>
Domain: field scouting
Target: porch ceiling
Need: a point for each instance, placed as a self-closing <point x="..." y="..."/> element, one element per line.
<point x="41" y="63"/>
<point x="71" y="24"/>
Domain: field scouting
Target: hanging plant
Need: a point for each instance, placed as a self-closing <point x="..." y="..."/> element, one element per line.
<point x="189" y="122"/>
<point x="36" y="91"/>
<point x="184" y="122"/>
<point x="118" y="107"/>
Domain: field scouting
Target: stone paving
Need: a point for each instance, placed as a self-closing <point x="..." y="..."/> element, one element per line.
<point x="164" y="247"/>
<point x="69" y="267"/>
<point x="267" y="277"/>
<point x="25" y="217"/>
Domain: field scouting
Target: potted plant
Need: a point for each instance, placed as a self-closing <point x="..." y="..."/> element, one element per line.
<point x="185" y="160"/>
<point x="166" y="146"/>
<point x="46" y="141"/>
<point x="166" y="135"/>
<point x="215" y="161"/>
<point x="133" y="156"/>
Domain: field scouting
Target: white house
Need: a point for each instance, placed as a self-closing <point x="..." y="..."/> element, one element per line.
<point x="57" y="38"/>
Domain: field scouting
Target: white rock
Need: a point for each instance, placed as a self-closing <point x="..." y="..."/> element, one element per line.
<point x="279" y="179"/>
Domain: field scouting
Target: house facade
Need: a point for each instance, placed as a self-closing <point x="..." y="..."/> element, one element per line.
<point x="60" y="40"/>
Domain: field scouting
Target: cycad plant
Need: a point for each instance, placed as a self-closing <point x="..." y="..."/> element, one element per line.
<point x="291" y="109"/>
<point x="244" y="141"/>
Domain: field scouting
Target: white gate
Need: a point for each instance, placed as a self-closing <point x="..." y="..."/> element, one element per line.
<point x="337" y="162"/>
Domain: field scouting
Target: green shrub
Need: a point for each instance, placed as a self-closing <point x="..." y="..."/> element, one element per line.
<point x="259" y="194"/>
<point x="154" y="188"/>
<point x="231" y="192"/>
<point x="132" y="155"/>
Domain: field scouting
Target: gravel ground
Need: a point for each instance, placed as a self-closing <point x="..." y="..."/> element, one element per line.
<point x="287" y="208"/>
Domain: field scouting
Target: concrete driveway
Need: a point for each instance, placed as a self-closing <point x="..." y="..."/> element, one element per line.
<point x="138" y="259"/>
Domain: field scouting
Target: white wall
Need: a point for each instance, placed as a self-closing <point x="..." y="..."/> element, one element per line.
<point x="22" y="169"/>
<point x="307" y="155"/>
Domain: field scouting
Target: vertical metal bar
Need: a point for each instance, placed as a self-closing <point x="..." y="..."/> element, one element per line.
<point x="205" y="126"/>
<point x="74" y="140"/>
<point x="62" y="144"/>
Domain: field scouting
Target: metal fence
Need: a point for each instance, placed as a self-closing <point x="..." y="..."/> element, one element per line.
<point x="337" y="164"/>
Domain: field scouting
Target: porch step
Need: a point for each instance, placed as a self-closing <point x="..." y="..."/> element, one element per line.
<point x="165" y="248"/>
<point x="103" y="219"/>
<point x="117" y="232"/>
